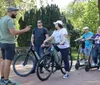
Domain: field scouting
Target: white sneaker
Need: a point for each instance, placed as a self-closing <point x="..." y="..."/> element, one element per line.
<point x="93" y="64"/>
<point x="99" y="69"/>
<point x="65" y="76"/>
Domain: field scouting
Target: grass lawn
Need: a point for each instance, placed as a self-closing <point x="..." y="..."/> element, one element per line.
<point x="74" y="53"/>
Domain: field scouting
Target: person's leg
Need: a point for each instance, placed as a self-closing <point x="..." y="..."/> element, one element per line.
<point x="64" y="53"/>
<point x="40" y="51"/>
<point x="2" y="64"/>
<point x="81" y="51"/>
<point x="99" y="60"/>
<point x="87" y="53"/>
<point x="7" y="68"/>
<point x="94" y="54"/>
<point x="98" y="55"/>
<point x="2" y="68"/>
<point x="41" y="54"/>
<point x="9" y="55"/>
<point x="2" y="72"/>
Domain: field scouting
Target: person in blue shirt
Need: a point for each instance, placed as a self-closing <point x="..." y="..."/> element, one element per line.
<point x="87" y="38"/>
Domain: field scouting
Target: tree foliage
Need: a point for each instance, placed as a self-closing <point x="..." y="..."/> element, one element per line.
<point x="48" y="15"/>
<point x="84" y="14"/>
<point x="29" y="14"/>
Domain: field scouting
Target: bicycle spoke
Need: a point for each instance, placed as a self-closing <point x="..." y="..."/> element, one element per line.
<point x="23" y="65"/>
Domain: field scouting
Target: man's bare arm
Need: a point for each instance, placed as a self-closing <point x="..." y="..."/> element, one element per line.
<point x="17" y="32"/>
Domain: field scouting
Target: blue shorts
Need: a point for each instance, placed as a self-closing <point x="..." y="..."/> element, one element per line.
<point x="87" y="51"/>
<point x="81" y="50"/>
<point x="8" y="51"/>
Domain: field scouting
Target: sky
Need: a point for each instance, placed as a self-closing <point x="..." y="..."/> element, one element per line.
<point x="60" y="3"/>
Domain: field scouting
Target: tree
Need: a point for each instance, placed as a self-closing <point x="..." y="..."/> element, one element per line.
<point x="29" y="19"/>
<point x="98" y="8"/>
<point x="83" y="14"/>
<point x="3" y="8"/>
<point x="90" y="17"/>
<point x="48" y="15"/>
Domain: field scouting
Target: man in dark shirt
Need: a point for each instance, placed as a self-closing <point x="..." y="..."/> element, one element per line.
<point x="38" y="36"/>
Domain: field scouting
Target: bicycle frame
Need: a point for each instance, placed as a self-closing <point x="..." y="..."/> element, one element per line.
<point x="34" y="53"/>
<point x="55" y="57"/>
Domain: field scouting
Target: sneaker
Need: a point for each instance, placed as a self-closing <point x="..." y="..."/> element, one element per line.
<point x="99" y="69"/>
<point x="93" y="64"/>
<point x="8" y="82"/>
<point x="65" y="76"/>
<point x="1" y="81"/>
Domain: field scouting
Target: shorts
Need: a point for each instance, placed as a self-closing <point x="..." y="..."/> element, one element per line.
<point x="87" y="51"/>
<point x="81" y="50"/>
<point x="8" y="51"/>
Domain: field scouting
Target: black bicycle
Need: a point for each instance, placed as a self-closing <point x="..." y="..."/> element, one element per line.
<point x="51" y="62"/>
<point x="24" y="62"/>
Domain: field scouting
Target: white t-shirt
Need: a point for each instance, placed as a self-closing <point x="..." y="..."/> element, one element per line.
<point x="58" y="37"/>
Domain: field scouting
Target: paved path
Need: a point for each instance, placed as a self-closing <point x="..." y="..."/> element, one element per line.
<point x="79" y="77"/>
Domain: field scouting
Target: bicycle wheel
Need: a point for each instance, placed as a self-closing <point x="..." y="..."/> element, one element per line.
<point x="70" y="64"/>
<point x="44" y="65"/>
<point x="23" y="65"/>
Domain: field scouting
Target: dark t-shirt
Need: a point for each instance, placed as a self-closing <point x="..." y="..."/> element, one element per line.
<point x="96" y="41"/>
<point x="39" y="35"/>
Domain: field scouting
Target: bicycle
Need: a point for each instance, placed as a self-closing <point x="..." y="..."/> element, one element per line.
<point x="50" y="65"/>
<point x="24" y="62"/>
<point x="19" y="50"/>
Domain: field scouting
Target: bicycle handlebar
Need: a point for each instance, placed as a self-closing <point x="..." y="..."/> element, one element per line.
<point x="84" y="39"/>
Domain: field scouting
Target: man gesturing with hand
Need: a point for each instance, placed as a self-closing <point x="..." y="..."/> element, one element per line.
<point x="7" y="43"/>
